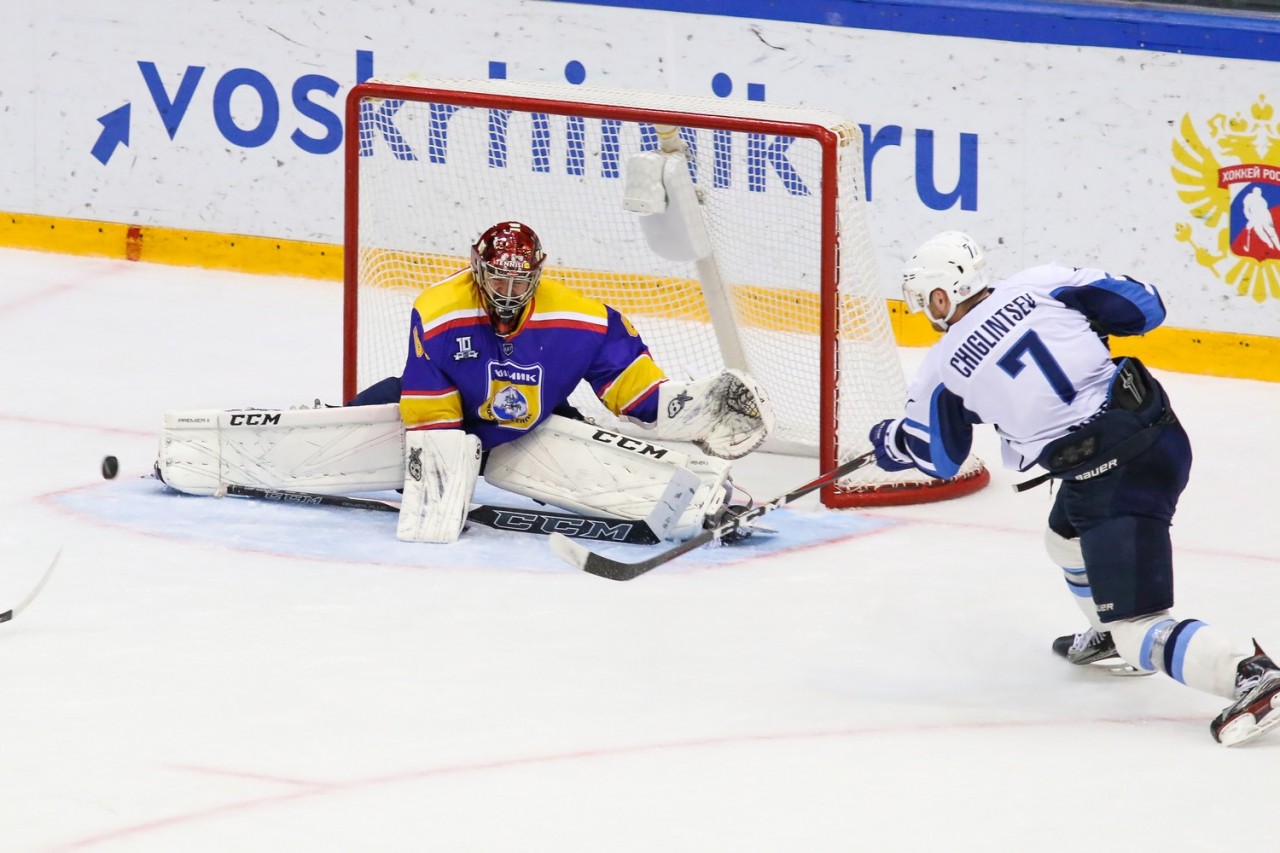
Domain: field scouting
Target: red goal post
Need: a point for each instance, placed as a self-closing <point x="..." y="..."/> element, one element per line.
<point x="754" y="252"/>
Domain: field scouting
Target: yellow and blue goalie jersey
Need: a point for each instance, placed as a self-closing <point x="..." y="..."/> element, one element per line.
<point x="461" y="375"/>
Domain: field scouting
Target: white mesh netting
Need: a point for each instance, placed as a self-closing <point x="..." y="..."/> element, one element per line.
<point x="438" y="161"/>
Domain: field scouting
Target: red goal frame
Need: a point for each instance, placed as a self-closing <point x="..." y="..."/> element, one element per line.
<point x="829" y="451"/>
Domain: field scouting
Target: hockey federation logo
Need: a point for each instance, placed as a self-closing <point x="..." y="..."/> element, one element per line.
<point x="1230" y="179"/>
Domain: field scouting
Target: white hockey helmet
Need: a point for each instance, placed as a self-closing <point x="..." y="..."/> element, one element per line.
<point x="951" y="261"/>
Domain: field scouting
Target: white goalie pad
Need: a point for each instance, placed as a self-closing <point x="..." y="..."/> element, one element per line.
<point x="440" y="471"/>
<point x="726" y="415"/>
<point x="327" y="451"/>
<point x="582" y="468"/>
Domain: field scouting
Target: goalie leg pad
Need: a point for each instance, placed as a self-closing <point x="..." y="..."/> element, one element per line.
<point x="440" y="471"/>
<point x="327" y="451"/>
<point x="582" y="468"/>
<point x="726" y="415"/>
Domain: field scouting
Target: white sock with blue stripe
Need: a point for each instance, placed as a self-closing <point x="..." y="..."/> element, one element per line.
<point x="1189" y="651"/>
<point x="1067" y="554"/>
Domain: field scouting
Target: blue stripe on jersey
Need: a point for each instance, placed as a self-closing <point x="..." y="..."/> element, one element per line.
<point x="1116" y="306"/>
<point x="941" y="446"/>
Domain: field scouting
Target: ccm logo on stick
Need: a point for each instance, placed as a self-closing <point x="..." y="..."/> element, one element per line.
<point x="586" y="527"/>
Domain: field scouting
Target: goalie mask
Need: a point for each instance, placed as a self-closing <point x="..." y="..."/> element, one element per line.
<point x="952" y="262"/>
<point x="506" y="263"/>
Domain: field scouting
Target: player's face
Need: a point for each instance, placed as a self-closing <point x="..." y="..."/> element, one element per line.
<point x="507" y="291"/>
<point x="509" y="286"/>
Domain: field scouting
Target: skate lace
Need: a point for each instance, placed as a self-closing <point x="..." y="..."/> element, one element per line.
<point x="1245" y="685"/>
<point x="1086" y="640"/>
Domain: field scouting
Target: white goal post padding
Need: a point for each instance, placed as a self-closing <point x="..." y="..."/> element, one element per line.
<point x="790" y="287"/>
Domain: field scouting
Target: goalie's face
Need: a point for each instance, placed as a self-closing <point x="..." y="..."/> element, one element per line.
<point x="507" y="293"/>
<point x="506" y="263"/>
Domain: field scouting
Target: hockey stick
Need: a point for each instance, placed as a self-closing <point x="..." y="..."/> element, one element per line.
<point x="614" y="570"/>
<point x="21" y="605"/>
<point x="646" y="531"/>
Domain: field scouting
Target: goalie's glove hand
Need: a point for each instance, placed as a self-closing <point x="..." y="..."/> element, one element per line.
<point x="727" y="415"/>
<point x="886" y="440"/>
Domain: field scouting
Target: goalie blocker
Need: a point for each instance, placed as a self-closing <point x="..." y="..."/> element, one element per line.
<point x="566" y="463"/>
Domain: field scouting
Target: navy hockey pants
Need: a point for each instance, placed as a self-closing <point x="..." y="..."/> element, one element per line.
<point x="1122" y="518"/>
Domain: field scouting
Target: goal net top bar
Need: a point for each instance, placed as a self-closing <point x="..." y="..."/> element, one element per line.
<point x="654" y="107"/>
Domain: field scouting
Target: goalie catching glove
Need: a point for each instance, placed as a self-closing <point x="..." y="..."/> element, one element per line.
<point x="727" y="415"/>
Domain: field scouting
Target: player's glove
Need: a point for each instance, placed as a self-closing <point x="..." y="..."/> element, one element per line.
<point x="886" y="440"/>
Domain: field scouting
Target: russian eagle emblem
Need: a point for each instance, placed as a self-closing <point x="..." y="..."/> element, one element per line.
<point x="1231" y="183"/>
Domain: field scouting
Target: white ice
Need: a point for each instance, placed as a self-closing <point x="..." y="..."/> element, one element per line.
<point x="205" y="675"/>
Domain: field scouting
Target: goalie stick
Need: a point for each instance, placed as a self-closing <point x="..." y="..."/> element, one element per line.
<point x="644" y="531"/>
<point x="21" y="605"/>
<point x="615" y="570"/>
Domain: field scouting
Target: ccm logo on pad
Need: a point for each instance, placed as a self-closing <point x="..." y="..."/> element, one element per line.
<point x="255" y="419"/>
<point x="634" y="445"/>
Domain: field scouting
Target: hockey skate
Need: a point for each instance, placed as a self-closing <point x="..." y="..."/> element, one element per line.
<point x="728" y="512"/>
<point x="1094" y="647"/>
<point x="737" y="534"/>
<point x="1257" y="705"/>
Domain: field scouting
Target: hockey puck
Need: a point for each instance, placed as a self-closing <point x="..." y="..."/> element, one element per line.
<point x="110" y="467"/>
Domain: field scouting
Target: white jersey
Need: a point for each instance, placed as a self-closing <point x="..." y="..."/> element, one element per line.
<point x="1028" y="359"/>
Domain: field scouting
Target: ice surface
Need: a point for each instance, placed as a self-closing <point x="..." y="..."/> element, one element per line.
<point x="204" y="675"/>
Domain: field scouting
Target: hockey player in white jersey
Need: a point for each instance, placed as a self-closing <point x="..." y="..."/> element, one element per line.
<point x="1028" y="355"/>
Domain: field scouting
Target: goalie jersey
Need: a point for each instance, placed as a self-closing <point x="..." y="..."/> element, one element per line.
<point x="1030" y="359"/>
<point x="460" y="374"/>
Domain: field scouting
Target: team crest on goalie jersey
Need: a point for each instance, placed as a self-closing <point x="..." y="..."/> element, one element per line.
<point x="515" y="395"/>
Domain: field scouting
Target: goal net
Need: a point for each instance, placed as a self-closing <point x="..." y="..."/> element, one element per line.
<point x="730" y="233"/>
